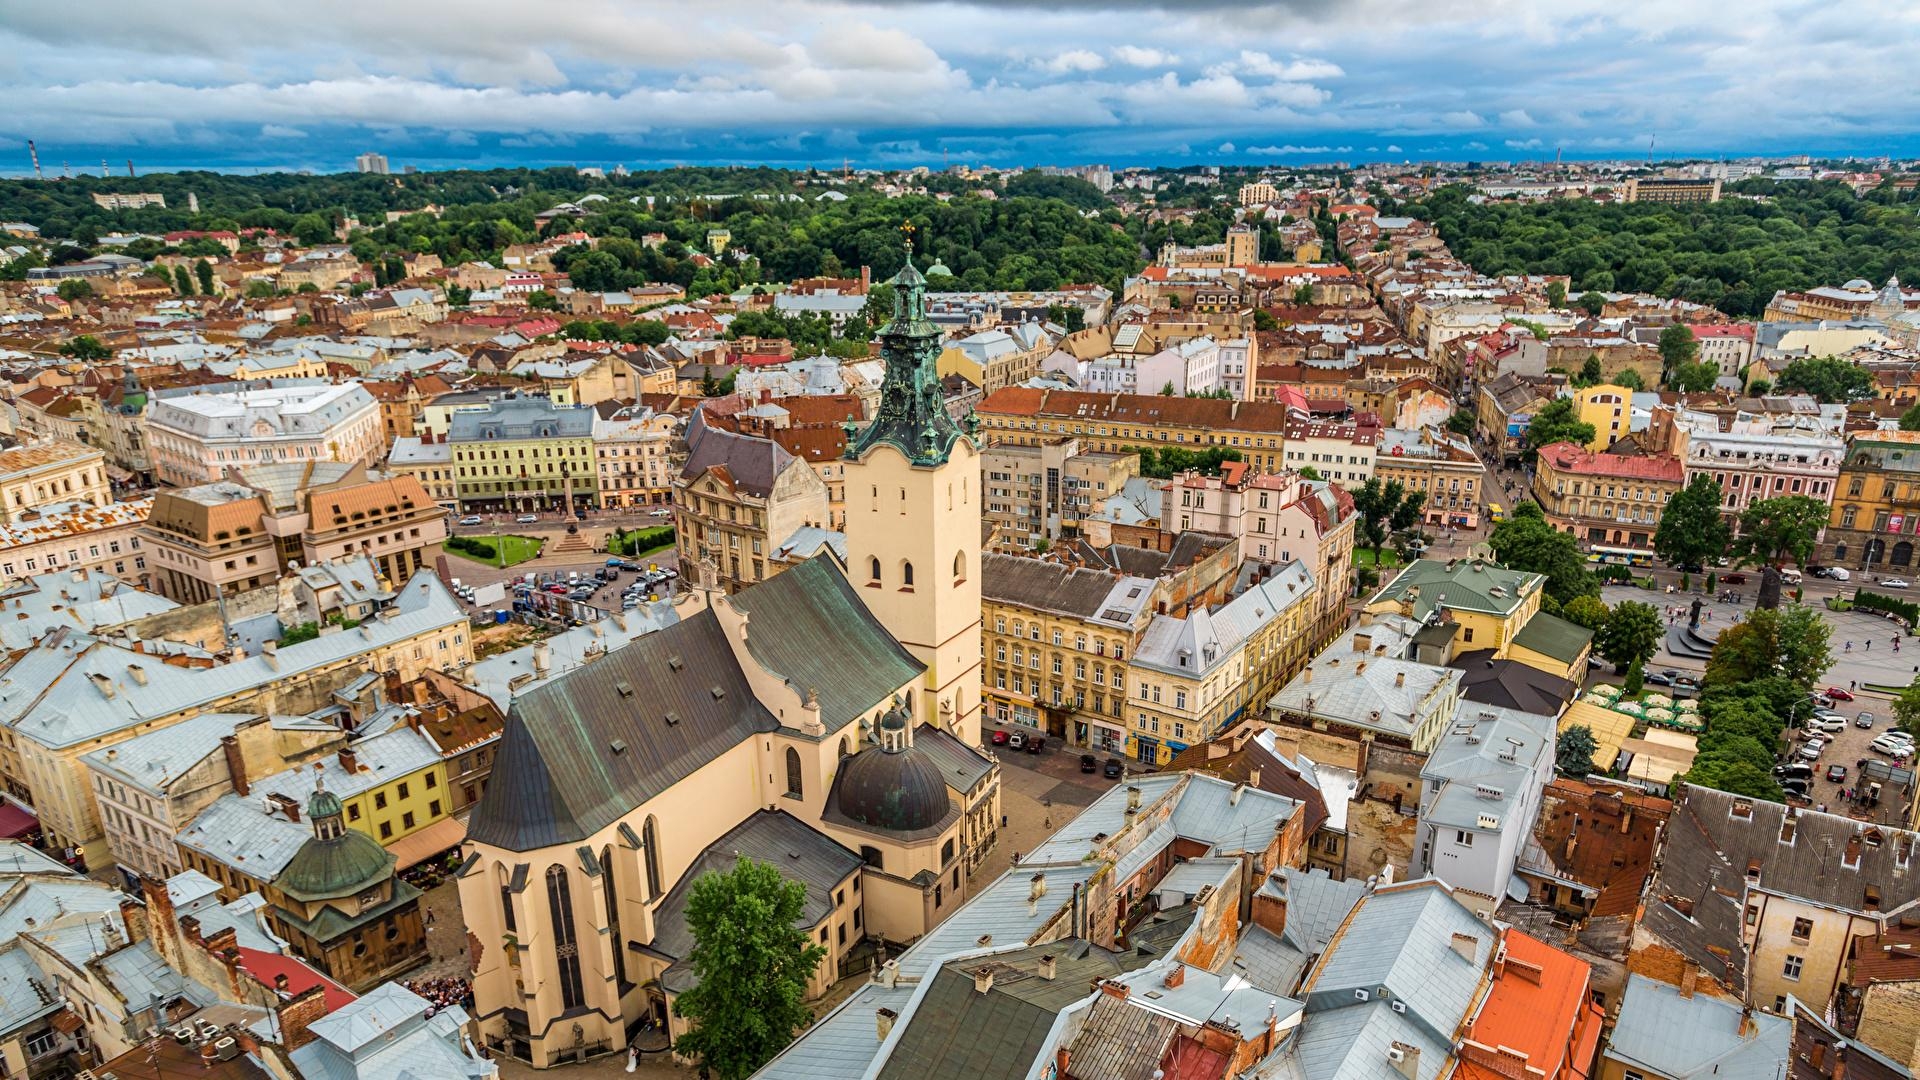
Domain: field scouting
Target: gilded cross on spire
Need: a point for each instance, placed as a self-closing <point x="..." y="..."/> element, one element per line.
<point x="906" y="236"/>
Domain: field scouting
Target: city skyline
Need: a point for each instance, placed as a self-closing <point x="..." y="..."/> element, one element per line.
<point x="908" y="83"/>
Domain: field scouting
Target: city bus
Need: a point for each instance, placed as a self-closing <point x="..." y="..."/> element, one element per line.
<point x="1612" y="556"/>
<point x="1494" y="513"/>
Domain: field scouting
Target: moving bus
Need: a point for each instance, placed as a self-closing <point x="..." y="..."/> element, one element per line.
<point x="1494" y="513"/>
<point x="1612" y="556"/>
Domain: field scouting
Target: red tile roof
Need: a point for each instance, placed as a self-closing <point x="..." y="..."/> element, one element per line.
<point x="267" y="966"/>
<point x="1537" y="1007"/>
<point x="1569" y="458"/>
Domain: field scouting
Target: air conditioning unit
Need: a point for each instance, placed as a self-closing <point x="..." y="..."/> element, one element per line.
<point x="1396" y="1055"/>
<point x="227" y="1049"/>
<point x="1399" y="1006"/>
<point x="1361" y="995"/>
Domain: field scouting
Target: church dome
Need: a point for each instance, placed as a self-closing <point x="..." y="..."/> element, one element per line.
<point x="336" y="861"/>
<point x="939" y="269"/>
<point x="892" y="786"/>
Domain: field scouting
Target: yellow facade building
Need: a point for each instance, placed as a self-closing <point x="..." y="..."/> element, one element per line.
<point x="1609" y="408"/>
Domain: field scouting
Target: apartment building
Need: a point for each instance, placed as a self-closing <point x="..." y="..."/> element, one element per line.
<point x="519" y="454"/>
<point x="1124" y="423"/>
<point x="1341" y="453"/>
<point x="1671" y="190"/>
<point x="1036" y="493"/>
<point x="1613" y="500"/>
<point x="633" y="452"/>
<point x="1876" y="502"/>
<point x="739" y="497"/>
<point x="1057" y="638"/>
<point x="78" y="536"/>
<point x="45" y="473"/>
<point x="195" y="436"/>
<point x="1752" y="456"/>
<point x="1438" y="464"/>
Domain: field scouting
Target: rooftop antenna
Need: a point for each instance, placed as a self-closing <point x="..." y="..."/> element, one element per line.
<point x="130" y="169"/>
<point x="35" y="155"/>
<point x="1650" y="149"/>
<point x="103" y="169"/>
<point x="66" y="170"/>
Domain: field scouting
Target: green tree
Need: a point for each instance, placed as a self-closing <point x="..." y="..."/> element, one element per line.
<point x="1592" y="303"/>
<point x="1526" y="542"/>
<point x="1556" y="294"/>
<point x="74" y="289"/>
<point x="1264" y="321"/>
<point x="1792" y="643"/>
<point x="1693" y="378"/>
<point x="313" y="229"/>
<point x="1906" y="709"/>
<point x="203" y="273"/>
<point x="1677" y="347"/>
<point x="1692" y="529"/>
<point x="542" y="300"/>
<point x="1384" y="509"/>
<point x="753" y="964"/>
<point x="1774" y="532"/>
<point x="1628" y="378"/>
<point x="1632" y="633"/>
<point x="1590" y="612"/>
<point x="1827" y="378"/>
<point x="1303" y="295"/>
<point x="1461" y="422"/>
<point x="183" y="280"/>
<point x="1557" y="421"/>
<point x="1759" y="386"/>
<point x="1573" y="750"/>
<point x="1308" y="472"/>
<point x="86" y="347"/>
<point x="1910" y="420"/>
<point x="259" y="289"/>
<point x="1590" y="372"/>
<point x="1738" y="776"/>
<point x="1636" y="680"/>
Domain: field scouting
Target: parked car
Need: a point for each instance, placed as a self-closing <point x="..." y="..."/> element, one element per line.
<point x="1820" y="571"/>
<point x="1825" y="724"/>
<point x="1895" y="583"/>
<point x="1793" y="770"/>
<point x="616" y="562"/>
<point x="1685" y="684"/>
<point x="1036" y="743"/>
<point x="1663" y="678"/>
<point x="1812" y="750"/>
<point x="1838" y="693"/>
<point x="1892" y="744"/>
<point x="998" y="738"/>
<point x="470" y="519"/>
<point x="1112" y="770"/>
<point x="527" y="519"/>
<point x="1017" y="741"/>
<point x="1839" y="573"/>
<point x="662" y="512"/>
<point x="1795" y="789"/>
<point x="1733" y="579"/>
<point x="1864" y="720"/>
<point x="1836" y="774"/>
<point x="1089" y="763"/>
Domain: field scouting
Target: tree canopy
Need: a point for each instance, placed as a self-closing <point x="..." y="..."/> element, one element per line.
<point x="1827" y="378"/>
<point x="1777" y="531"/>
<point x="1526" y="542"/>
<point x="1385" y="509"/>
<point x="1632" y="632"/>
<point x="1678" y="347"/>
<point x="1692" y="529"/>
<point x="1574" y="749"/>
<point x="1792" y="643"/>
<point x="753" y="964"/>
<point x="1557" y="421"/>
<point x="1733" y="254"/>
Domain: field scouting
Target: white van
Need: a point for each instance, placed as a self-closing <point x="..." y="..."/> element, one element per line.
<point x="1839" y="573"/>
<point x="1789" y="575"/>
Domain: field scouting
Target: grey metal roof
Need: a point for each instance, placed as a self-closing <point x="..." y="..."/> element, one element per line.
<point x="1676" y="1035"/>
<point x="521" y="418"/>
<point x="962" y="765"/>
<point x="798" y="851"/>
<point x="753" y="463"/>
<point x="585" y="748"/>
<point x="387" y="1035"/>
<point x="504" y="675"/>
<point x="152" y="761"/>
<point x="1483" y="766"/>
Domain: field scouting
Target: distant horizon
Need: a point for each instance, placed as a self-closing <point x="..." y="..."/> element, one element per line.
<point x="116" y="167"/>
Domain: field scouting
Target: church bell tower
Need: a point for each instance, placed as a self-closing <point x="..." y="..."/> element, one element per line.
<point x="913" y="514"/>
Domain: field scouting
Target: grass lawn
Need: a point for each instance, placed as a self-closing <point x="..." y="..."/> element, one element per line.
<point x="517" y="549"/>
<point x="1364" y="557"/>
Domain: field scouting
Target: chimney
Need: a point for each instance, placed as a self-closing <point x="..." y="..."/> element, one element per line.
<point x="1175" y="977"/>
<point x="883" y="1019"/>
<point x="1049" y="967"/>
<point x="134" y="914"/>
<point x="1689" y="978"/>
<point x="297" y="1015"/>
<point x="1406" y="1059"/>
<point x="1233" y="797"/>
<point x="1400" y="678"/>
<point x="1465" y="944"/>
<point x="1133" y="798"/>
<point x="236" y="763"/>
<point x="349" y="760"/>
<point x="983" y="979"/>
<point x="1253" y="778"/>
<point x="1748" y="1029"/>
<point x="138" y="674"/>
<point x="1362" y="642"/>
<point x="1115" y="989"/>
<point x="1217" y="750"/>
<point x="542" y="660"/>
<point x="280" y="983"/>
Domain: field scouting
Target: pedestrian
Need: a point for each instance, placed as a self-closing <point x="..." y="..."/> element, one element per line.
<point x="1853" y="684"/>
<point x="429" y="916"/>
<point x="1849" y="646"/>
<point x="1869" y="647"/>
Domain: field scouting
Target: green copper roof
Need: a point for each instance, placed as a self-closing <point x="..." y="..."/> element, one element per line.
<point x="1550" y="635"/>
<point x="343" y="866"/>
<point x="912" y="415"/>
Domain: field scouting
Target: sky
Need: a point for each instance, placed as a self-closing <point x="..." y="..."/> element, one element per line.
<point x="892" y="83"/>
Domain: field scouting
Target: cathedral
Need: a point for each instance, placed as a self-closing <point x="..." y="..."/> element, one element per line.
<point x="826" y="720"/>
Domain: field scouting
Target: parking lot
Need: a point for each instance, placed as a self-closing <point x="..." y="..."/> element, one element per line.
<point x="1848" y="791"/>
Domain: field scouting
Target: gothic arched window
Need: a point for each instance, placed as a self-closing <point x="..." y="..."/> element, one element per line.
<point x="906" y="574"/>
<point x="873" y="568"/>
<point x="565" y="946"/>
<point x="650" y="840"/>
<point x="793" y="773"/>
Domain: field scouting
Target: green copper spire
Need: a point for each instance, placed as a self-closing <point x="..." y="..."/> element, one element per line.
<point x="912" y="415"/>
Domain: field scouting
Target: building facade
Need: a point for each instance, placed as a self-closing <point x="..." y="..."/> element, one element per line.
<point x="1605" y="499"/>
<point x="195" y="436"/>
<point x="520" y="454"/>
<point x="1876" y="502"/>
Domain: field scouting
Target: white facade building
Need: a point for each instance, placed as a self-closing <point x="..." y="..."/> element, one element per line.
<point x="195" y="437"/>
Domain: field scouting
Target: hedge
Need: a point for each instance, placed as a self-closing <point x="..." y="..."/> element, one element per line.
<point x="639" y="541"/>
<point x="477" y="548"/>
<point x="1892" y="605"/>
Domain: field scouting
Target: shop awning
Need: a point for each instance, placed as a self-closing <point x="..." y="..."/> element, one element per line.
<point x="16" y="822"/>
<point x="416" y="848"/>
